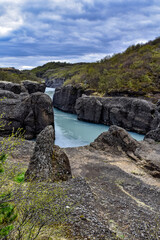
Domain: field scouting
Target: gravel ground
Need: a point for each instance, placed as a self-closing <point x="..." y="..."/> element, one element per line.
<point x="112" y="197"/>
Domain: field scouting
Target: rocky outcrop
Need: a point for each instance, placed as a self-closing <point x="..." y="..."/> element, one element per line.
<point x="54" y="83"/>
<point x="91" y="109"/>
<point x="118" y="141"/>
<point x="49" y="162"/>
<point x="130" y="113"/>
<point x="12" y="87"/>
<point x="8" y="94"/>
<point x="154" y="134"/>
<point x="65" y="97"/>
<point x="32" y="113"/>
<point x="116" y="138"/>
<point x="33" y="87"/>
<point x="25" y="86"/>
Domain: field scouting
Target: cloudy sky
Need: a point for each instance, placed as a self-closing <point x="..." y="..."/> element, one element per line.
<point x="33" y="32"/>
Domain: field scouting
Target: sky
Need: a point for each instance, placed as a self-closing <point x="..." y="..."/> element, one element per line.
<point x="34" y="32"/>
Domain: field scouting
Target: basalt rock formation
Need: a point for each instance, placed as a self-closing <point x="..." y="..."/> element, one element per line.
<point x="33" y="87"/>
<point x="118" y="141"/>
<point x="133" y="114"/>
<point x="12" y="87"/>
<point x="54" y="83"/>
<point x="48" y="162"/>
<point x="31" y="112"/>
<point x="25" y="86"/>
<point x="65" y="97"/>
<point x="154" y="134"/>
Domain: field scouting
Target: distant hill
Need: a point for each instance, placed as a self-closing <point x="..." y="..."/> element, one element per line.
<point x="53" y="70"/>
<point x="136" y="70"/>
<point x="14" y="75"/>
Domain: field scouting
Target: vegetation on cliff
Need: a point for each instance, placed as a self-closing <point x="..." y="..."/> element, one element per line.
<point x="136" y="70"/>
<point x="17" y="76"/>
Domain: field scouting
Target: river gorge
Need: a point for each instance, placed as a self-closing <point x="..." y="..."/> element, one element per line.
<point x="70" y="132"/>
<point x="111" y="176"/>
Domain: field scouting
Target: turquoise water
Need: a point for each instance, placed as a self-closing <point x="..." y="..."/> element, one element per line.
<point x="71" y="132"/>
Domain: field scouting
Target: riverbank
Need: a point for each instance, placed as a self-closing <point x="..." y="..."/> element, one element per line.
<point x="133" y="114"/>
<point x="70" y="132"/>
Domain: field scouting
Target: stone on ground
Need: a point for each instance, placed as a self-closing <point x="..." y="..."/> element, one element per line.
<point x="49" y="162"/>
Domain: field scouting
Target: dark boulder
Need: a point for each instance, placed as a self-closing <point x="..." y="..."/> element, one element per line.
<point x="32" y="113"/>
<point x="26" y="86"/>
<point x="12" y="87"/>
<point x="130" y="113"/>
<point x="89" y="110"/>
<point x="54" y="82"/>
<point x="49" y="162"/>
<point x="33" y="87"/>
<point x="158" y="105"/>
<point x="61" y="165"/>
<point x="154" y="134"/>
<point x="116" y="138"/>
<point x="41" y="111"/>
<point x="8" y="94"/>
<point x="65" y="97"/>
<point x="117" y="141"/>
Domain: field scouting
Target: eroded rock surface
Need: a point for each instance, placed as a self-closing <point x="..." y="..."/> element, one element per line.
<point x="12" y="87"/>
<point x="54" y="82"/>
<point x="25" y="86"/>
<point x="117" y="140"/>
<point x="32" y="113"/>
<point x="65" y="97"/>
<point x="154" y="134"/>
<point x="33" y="87"/>
<point x="49" y="162"/>
<point x="89" y="110"/>
<point x="130" y="113"/>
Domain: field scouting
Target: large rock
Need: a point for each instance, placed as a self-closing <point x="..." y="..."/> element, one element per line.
<point x="33" y="87"/>
<point x="12" y="87"/>
<point x="49" y="162"/>
<point x="32" y="113"/>
<point x="8" y="94"/>
<point x="65" y="97"/>
<point x="115" y="138"/>
<point x="25" y="86"/>
<point x="54" y="82"/>
<point x="154" y="134"/>
<point x="89" y="110"/>
<point x="130" y="113"/>
<point x="118" y="141"/>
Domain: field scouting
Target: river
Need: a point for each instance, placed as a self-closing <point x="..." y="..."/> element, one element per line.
<point x="71" y="132"/>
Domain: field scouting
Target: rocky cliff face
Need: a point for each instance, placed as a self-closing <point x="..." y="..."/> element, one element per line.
<point x="26" y="86"/>
<point x="33" y="87"/>
<point x="130" y="113"/>
<point x="54" y="83"/>
<point x="31" y="112"/>
<point x="154" y="134"/>
<point x="65" y="98"/>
